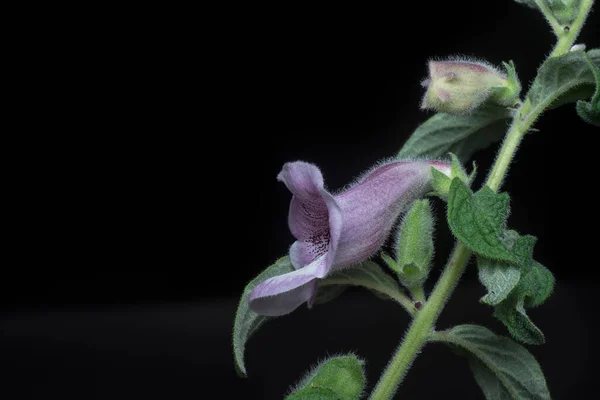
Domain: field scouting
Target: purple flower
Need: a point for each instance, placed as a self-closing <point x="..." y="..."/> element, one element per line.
<point x="337" y="231"/>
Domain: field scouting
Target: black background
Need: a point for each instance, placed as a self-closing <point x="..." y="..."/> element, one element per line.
<point x="134" y="241"/>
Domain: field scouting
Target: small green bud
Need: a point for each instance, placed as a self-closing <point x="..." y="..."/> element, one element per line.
<point x="459" y="86"/>
<point x="414" y="246"/>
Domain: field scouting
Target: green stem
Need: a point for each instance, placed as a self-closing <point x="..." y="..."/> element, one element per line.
<point x="418" y="294"/>
<point x="556" y="27"/>
<point x="566" y="38"/>
<point x="511" y="142"/>
<point x="422" y="324"/>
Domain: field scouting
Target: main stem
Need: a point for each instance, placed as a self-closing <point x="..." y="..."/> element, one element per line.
<point x="422" y="324"/>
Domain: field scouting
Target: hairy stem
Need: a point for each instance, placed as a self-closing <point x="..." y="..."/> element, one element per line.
<point x="422" y="324"/>
<point x="556" y="27"/>
<point x="419" y="294"/>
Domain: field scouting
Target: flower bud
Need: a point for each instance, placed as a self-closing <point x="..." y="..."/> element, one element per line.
<point x="460" y="86"/>
<point x="414" y="246"/>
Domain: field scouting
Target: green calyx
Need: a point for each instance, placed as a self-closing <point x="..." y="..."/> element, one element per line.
<point x="441" y="182"/>
<point x="414" y="246"/>
<point x="508" y="95"/>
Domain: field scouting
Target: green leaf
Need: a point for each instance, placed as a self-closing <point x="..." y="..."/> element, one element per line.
<point x="564" y="79"/>
<point x="521" y="247"/>
<point x="498" y="277"/>
<point x="494" y="205"/>
<point x="534" y="287"/>
<point x="339" y="378"/>
<point x="368" y="275"/>
<point x="513" y="315"/>
<point x="590" y="111"/>
<point x="460" y="134"/>
<point x="478" y="220"/>
<point x="502" y="368"/>
<point x="537" y="285"/>
<point x="247" y="321"/>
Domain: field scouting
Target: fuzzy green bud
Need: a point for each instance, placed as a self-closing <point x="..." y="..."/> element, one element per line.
<point x="459" y="86"/>
<point x="414" y="245"/>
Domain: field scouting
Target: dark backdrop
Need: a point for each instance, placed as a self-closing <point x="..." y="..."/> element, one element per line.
<point x="137" y="240"/>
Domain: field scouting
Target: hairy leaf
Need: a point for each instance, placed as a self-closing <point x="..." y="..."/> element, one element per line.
<point x="246" y="320"/>
<point x="590" y="111"/>
<point x="564" y="79"/>
<point x="478" y="220"/>
<point x="534" y="287"/>
<point x="503" y="369"/>
<point x="339" y="378"/>
<point x="460" y="134"/>
<point x="498" y="277"/>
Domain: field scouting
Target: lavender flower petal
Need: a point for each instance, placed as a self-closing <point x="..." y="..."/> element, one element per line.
<point x="283" y="294"/>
